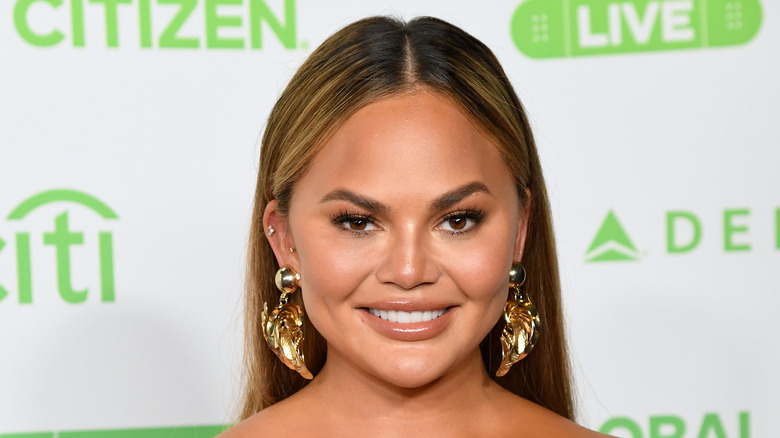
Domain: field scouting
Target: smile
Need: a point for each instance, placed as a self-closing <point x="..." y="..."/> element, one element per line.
<point x="402" y="317"/>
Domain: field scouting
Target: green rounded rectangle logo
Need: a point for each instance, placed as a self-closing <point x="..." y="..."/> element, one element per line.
<point x="564" y="28"/>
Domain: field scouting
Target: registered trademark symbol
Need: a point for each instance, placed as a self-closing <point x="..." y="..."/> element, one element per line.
<point x="304" y="45"/>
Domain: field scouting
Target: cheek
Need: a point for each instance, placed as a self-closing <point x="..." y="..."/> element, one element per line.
<point x="330" y="273"/>
<point x="481" y="268"/>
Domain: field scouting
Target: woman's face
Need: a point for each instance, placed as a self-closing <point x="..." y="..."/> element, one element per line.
<point x="404" y="229"/>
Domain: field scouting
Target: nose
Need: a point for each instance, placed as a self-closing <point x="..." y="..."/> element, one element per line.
<point x="408" y="261"/>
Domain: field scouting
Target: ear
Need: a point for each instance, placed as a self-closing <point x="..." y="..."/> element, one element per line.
<point x="522" y="227"/>
<point x="280" y="239"/>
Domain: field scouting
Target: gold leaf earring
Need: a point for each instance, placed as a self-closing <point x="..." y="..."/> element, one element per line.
<point x="522" y="323"/>
<point x="282" y="328"/>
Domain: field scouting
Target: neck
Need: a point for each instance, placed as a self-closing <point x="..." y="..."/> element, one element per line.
<point x="364" y="400"/>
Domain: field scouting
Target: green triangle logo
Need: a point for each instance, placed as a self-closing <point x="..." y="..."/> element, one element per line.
<point x="611" y="243"/>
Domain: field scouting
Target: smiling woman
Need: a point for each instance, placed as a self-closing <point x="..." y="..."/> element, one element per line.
<point x="399" y="186"/>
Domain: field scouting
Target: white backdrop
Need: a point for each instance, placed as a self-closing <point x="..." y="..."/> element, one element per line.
<point x="666" y="120"/>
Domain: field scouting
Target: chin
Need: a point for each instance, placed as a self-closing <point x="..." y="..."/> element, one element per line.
<point x="412" y="374"/>
<point x="411" y="381"/>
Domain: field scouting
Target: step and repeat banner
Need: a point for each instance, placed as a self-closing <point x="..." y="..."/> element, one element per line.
<point x="129" y="144"/>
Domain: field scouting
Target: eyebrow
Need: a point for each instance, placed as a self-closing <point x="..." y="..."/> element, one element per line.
<point x="454" y="196"/>
<point x="365" y="202"/>
<point x="441" y="203"/>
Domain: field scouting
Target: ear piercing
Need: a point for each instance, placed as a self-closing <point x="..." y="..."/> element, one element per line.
<point x="271" y="232"/>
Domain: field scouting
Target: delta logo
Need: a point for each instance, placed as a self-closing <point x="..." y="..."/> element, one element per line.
<point x="570" y="28"/>
<point x="684" y="231"/>
<point x="611" y="243"/>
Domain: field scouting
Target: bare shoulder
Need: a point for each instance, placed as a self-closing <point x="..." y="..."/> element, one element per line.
<point x="555" y="425"/>
<point x="537" y="421"/>
<point x="251" y="427"/>
<point x="271" y="421"/>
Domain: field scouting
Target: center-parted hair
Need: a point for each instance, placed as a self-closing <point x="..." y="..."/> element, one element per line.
<point x="366" y="61"/>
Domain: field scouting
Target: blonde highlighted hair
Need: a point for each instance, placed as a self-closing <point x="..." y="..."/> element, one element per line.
<point x="366" y="61"/>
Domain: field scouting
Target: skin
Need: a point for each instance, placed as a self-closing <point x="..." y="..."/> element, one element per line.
<point x="408" y="206"/>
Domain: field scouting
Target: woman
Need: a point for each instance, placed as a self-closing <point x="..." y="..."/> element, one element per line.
<point x="399" y="185"/>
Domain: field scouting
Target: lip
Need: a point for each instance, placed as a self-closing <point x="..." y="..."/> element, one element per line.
<point x="409" y="332"/>
<point x="408" y="305"/>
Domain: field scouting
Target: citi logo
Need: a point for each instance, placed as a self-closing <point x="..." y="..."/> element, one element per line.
<point x="564" y="28"/>
<point x="684" y="233"/>
<point x="58" y="241"/>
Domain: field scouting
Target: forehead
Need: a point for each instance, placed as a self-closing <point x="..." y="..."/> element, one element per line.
<point x="419" y="143"/>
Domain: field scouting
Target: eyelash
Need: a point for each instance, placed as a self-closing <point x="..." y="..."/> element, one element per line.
<point x="475" y="215"/>
<point x="345" y="216"/>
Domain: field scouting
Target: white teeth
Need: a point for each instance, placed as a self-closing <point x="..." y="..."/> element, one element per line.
<point x="402" y="317"/>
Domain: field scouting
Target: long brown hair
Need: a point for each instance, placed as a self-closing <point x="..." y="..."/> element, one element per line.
<point x="362" y="63"/>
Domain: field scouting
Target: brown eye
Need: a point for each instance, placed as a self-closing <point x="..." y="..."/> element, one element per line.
<point x="457" y="222"/>
<point x="460" y="222"/>
<point x="358" y="224"/>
